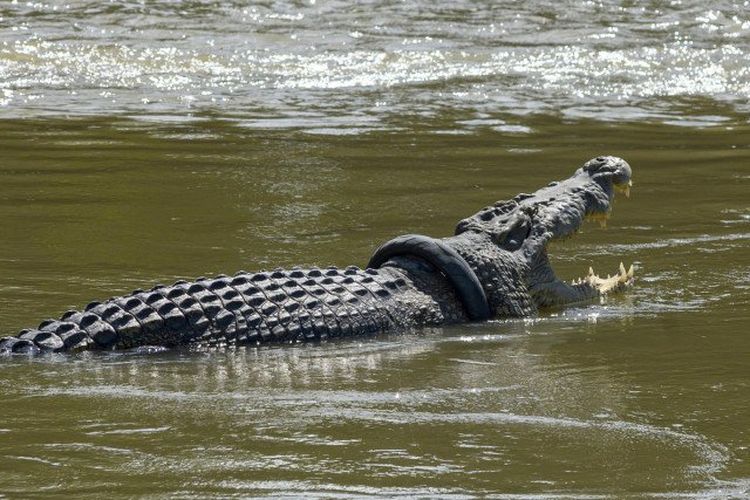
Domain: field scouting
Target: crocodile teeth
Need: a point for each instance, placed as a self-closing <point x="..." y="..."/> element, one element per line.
<point x="620" y="279"/>
<point x="625" y="189"/>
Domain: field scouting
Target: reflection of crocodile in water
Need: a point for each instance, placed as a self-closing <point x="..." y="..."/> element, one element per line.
<point x="494" y="266"/>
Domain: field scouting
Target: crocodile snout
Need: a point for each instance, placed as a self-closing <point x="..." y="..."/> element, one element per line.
<point x="613" y="167"/>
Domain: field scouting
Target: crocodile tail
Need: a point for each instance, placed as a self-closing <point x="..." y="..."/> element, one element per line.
<point x="75" y="331"/>
<point x="31" y="342"/>
<point x="164" y="316"/>
<point x="248" y="308"/>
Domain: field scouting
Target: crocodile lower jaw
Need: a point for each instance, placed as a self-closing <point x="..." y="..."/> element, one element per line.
<point x="612" y="283"/>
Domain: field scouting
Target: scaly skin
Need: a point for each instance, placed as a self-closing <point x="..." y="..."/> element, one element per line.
<point x="504" y="245"/>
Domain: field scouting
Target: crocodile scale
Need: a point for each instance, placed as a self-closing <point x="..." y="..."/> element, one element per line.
<point x="248" y="308"/>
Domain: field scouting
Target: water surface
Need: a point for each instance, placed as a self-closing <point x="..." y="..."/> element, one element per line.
<point x="143" y="143"/>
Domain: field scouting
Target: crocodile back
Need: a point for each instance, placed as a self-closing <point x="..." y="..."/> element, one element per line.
<point x="247" y="308"/>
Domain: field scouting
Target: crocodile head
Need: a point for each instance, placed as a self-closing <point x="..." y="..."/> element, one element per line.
<point x="521" y="229"/>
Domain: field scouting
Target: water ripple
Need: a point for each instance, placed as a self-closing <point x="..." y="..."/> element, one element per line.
<point x="268" y="65"/>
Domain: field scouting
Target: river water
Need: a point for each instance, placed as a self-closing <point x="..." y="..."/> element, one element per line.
<point x="143" y="142"/>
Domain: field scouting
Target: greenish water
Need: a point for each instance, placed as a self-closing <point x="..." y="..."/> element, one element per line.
<point x="142" y="142"/>
<point x="646" y="394"/>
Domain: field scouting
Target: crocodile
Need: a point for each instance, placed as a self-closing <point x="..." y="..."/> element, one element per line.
<point x="494" y="266"/>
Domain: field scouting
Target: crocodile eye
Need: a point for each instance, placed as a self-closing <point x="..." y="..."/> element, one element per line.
<point x="513" y="232"/>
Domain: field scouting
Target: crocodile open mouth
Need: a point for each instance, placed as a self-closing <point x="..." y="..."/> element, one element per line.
<point x="622" y="278"/>
<point x="561" y="209"/>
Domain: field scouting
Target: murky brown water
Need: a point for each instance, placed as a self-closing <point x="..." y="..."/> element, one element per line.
<point x="141" y="143"/>
<point x="645" y="394"/>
